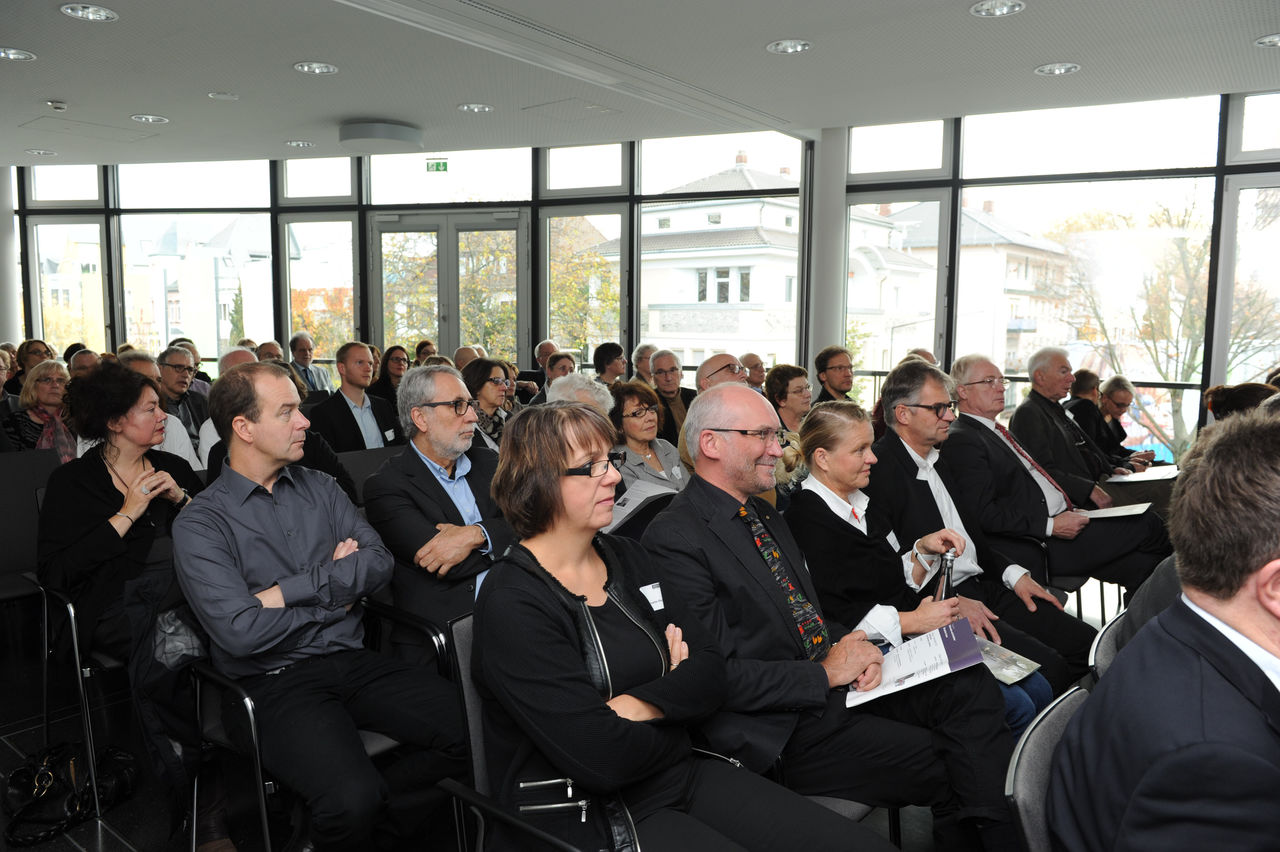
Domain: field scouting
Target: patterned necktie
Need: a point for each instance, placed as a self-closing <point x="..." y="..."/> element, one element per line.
<point x="306" y="374"/>
<point x="1018" y="447"/>
<point x="813" y="631"/>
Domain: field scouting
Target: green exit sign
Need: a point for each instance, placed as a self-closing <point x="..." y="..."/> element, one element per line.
<point x="437" y="165"/>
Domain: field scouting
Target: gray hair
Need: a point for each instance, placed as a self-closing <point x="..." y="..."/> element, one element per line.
<point x="222" y="361"/>
<point x="299" y="336"/>
<point x="662" y="353"/>
<point x="708" y="409"/>
<point x="905" y="383"/>
<point x="963" y="368"/>
<point x="643" y="349"/>
<point x="133" y="356"/>
<point x="542" y="344"/>
<point x="175" y="350"/>
<point x="1041" y="357"/>
<point x="1117" y="383"/>
<point x="566" y="389"/>
<point x="418" y="385"/>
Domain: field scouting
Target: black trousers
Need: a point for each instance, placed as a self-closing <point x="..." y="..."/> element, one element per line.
<point x="1059" y="642"/>
<point x="942" y="743"/>
<point x="309" y="716"/>
<point x="727" y="809"/>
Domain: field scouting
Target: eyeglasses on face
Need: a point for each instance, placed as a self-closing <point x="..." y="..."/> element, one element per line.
<point x="598" y="467"/>
<point x="502" y="383"/>
<point x="990" y="381"/>
<point x="938" y="408"/>
<point x="460" y="406"/>
<point x="801" y="390"/>
<point x="52" y="380"/>
<point x="397" y="359"/>
<point x="642" y="412"/>
<point x="181" y="368"/>
<point x="839" y="368"/>
<point x="43" y="353"/>
<point x="670" y="371"/>
<point x="766" y="435"/>
<point x="733" y="367"/>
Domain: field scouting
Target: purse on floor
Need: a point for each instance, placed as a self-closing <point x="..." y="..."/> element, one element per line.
<point x="50" y="793"/>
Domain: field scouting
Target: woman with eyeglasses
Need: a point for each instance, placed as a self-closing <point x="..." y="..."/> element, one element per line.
<point x="39" y="423"/>
<point x="395" y="362"/>
<point x="610" y="362"/>
<point x="30" y="353"/>
<point x="487" y="382"/>
<point x="637" y="416"/>
<point x="787" y="387"/>
<point x="592" y="674"/>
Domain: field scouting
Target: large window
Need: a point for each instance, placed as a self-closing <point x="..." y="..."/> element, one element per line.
<point x="192" y="185"/>
<point x="1253" y="349"/>
<point x="584" y="285"/>
<point x="69" y="283"/>
<point x="322" y="289"/>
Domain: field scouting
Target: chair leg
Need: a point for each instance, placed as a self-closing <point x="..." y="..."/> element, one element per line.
<point x="195" y="797"/>
<point x="83" y="674"/>
<point x="44" y="663"/>
<point x="895" y="827"/>
<point x="257" y="776"/>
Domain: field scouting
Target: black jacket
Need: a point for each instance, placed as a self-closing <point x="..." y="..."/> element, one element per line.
<point x="1059" y="446"/>
<point x="544" y="683"/>
<point x="993" y="483"/>
<point x="669" y="431"/>
<point x="333" y="419"/>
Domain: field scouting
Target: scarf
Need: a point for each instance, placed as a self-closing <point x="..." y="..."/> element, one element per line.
<point x="55" y="435"/>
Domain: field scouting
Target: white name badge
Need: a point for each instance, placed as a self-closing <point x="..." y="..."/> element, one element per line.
<point x="893" y="541"/>
<point x="654" y="593"/>
<point x="389" y="435"/>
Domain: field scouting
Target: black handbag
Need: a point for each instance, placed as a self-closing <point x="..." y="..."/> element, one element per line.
<point x="50" y="793"/>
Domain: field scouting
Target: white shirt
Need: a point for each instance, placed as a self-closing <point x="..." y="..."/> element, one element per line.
<point x="175" y="441"/>
<point x="966" y="565"/>
<point x="1264" y="659"/>
<point x="1054" y="501"/>
<point x="208" y="437"/>
<point x="882" y="623"/>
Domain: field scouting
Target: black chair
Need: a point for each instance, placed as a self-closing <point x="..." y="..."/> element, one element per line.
<point x="461" y="633"/>
<point x="362" y="464"/>
<point x="24" y="474"/>
<point x="1027" y="781"/>
<point x="1106" y="645"/>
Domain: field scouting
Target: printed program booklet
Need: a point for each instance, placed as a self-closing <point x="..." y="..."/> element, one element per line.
<point x="931" y="655"/>
<point x="1009" y="667"/>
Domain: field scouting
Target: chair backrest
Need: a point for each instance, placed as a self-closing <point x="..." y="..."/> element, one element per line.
<point x="462" y="633"/>
<point x="362" y="464"/>
<point x="1027" y="781"/>
<point x="23" y="474"/>
<point x="1106" y="645"/>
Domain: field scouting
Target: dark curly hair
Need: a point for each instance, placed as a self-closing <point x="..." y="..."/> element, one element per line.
<point x="108" y="392"/>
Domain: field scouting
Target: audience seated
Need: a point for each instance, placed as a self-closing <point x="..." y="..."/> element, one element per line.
<point x="787" y="387"/>
<point x="754" y="366"/>
<point x="302" y="348"/>
<point x="268" y="351"/>
<point x="920" y="493"/>
<point x="529" y="383"/>
<point x="464" y="355"/>
<point x="734" y="565"/>
<point x="1097" y="410"/>
<point x="39" y="423"/>
<point x="177" y="371"/>
<point x="352" y="419"/>
<point x="562" y="628"/>
<point x="8" y="401"/>
<point x="637" y="417"/>
<point x="422" y="351"/>
<point x="610" y="362"/>
<point x="200" y="381"/>
<point x="29" y="353"/>
<point x="833" y="367"/>
<point x="394" y="363"/>
<point x="1222" y="401"/>
<point x="487" y="384"/>
<point x="432" y="506"/>
<point x="81" y="362"/>
<point x="579" y="387"/>
<point x="283" y="615"/>
<point x="1018" y="505"/>
<point x="675" y="400"/>
<point x="558" y="364"/>
<point x="641" y="357"/>
<point x="1177" y="746"/>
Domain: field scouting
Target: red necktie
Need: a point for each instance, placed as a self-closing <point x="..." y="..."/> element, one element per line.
<point x="1018" y="448"/>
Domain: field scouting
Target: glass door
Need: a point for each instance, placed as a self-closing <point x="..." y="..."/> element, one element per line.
<point x="456" y="278"/>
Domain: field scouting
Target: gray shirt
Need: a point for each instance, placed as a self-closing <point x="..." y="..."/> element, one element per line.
<point x="237" y="539"/>
<point x="636" y="468"/>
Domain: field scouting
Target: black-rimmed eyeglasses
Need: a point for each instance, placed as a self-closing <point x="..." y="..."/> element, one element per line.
<point x="766" y="435"/>
<point x="181" y="368"/>
<point x="598" y="467"/>
<point x="460" y="406"/>
<point x="938" y="408"/>
<point x="733" y="367"/>
<point x="642" y="412"/>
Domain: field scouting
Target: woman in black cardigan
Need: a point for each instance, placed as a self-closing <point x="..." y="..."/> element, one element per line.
<point x="106" y="516"/>
<point x="589" y="684"/>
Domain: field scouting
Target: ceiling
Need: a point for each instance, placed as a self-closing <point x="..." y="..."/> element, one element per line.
<point x="567" y="71"/>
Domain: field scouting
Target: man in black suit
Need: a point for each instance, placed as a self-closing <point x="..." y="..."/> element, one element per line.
<point x="1018" y="504"/>
<point x="732" y="561"/>
<point x="916" y="487"/>
<point x="431" y="504"/>
<point x="1092" y="403"/>
<point x="675" y="400"/>
<point x="1178" y="747"/>
<point x="352" y="419"/>
<point x="834" y="368"/>
<point x="529" y="383"/>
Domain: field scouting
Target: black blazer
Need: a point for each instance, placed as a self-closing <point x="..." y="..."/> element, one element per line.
<point x="708" y="558"/>
<point x="1178" y="747"/>
<point x="992" y="482"/>
<point x="404" y="501"/>
<point x="1071" y="458"/>
<point x="669" y="432"/>
<point x="335" y="422"/>
<point x="852" y="571"/>
<point x="1089" y="418"/>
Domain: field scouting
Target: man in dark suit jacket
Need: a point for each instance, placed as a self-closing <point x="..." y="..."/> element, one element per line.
<point x="529" y="383"/>
<point x="352" y="419"/>
<point x="915" y="486"/>
<point x="431" y="503"/>
<point x="675" y="400"/>
<point x="1178" y="747"/>
<point x="942" y="742"/>
<point x="1018" y="505"/>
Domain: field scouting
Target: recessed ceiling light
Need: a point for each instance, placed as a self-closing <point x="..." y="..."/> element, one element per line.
<point x="149" y="119"/>
<point x="89" y="12"/>
<point x="224" y="96"/>
<point x="787" y="46"/>
<point x="17" y="54"/>
<point x="317" y="68"/>
<point x="1057" y="69"/>
<point x="1272" y="40"/>
<point x="475" y="108"/>
<point x="41" y="152"/>
<point x="996" y="8"/>
<point x="299" y="143"/>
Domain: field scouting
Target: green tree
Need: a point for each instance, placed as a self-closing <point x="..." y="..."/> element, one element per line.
<point x="236" y="332"/>
<point x="487" y="291"/>
<point x="855" y="335"/>
<point x="584" y="286"/>
<point x="410" y="287"/>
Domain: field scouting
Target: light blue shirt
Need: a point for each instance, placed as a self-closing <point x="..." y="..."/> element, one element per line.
<point x="366" y="421"/>
<point x="460" y="493"/>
